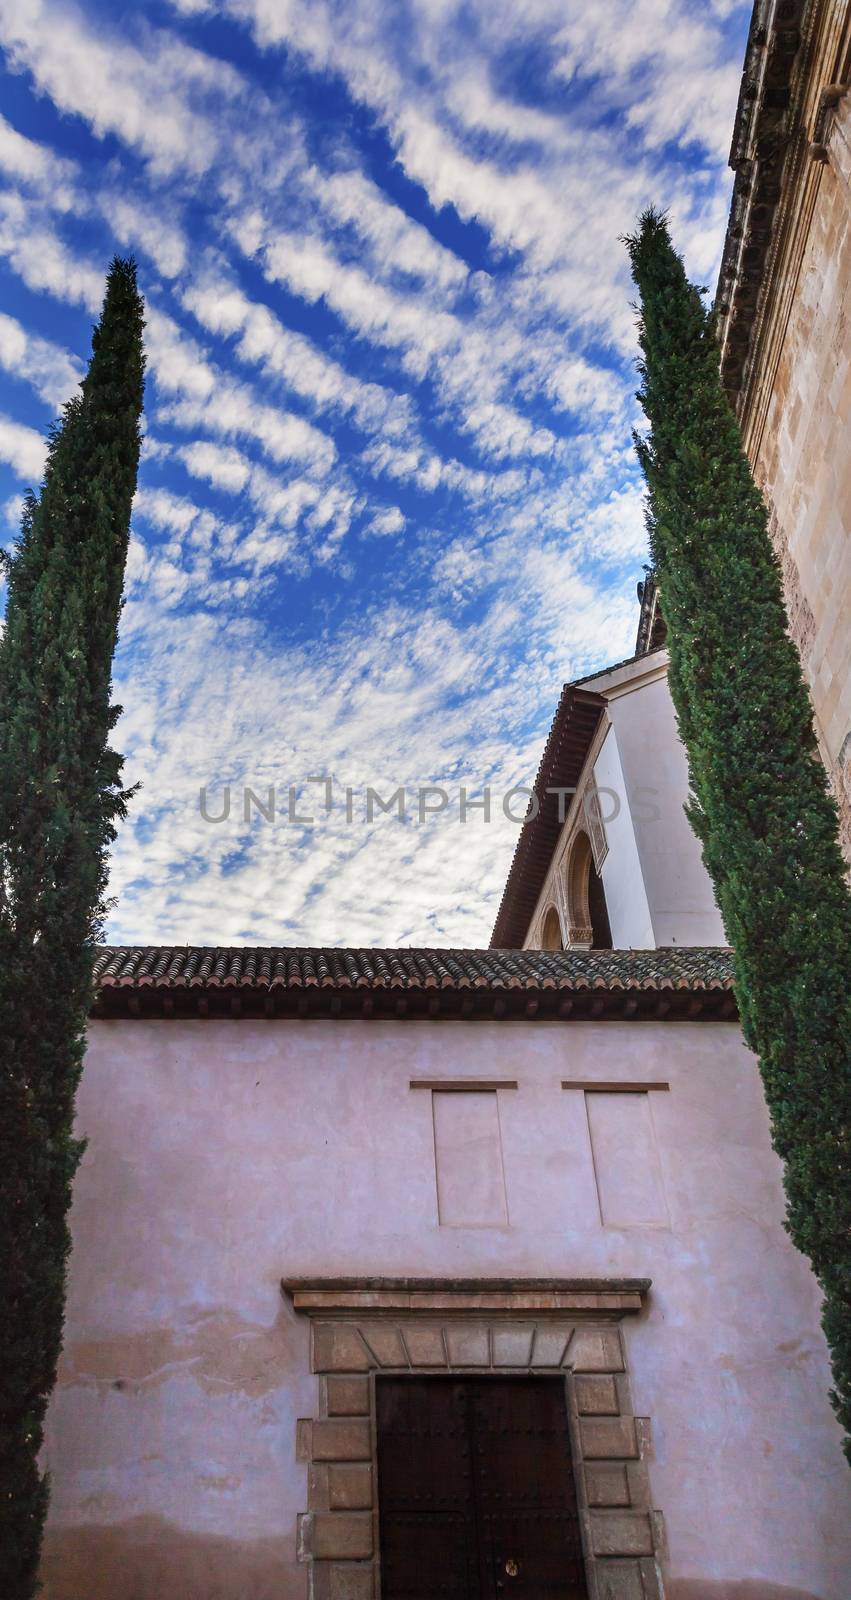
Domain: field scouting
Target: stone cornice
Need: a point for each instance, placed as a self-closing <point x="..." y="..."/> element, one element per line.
<point x="796" y="50"/>
<point x="591" y="1297"/>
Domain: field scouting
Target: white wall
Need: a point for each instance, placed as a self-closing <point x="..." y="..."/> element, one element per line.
<point x="678" y="888"/>
<point x="658" y="891"/>
<point x="626" y="897"/>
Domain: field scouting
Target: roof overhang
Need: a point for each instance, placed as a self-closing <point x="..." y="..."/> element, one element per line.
<point x="416" y="984"/>
<point x="768" y="141"/>
<point x="565" y="753"/>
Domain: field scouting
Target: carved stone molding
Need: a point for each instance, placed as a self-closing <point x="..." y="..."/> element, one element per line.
<point x="362" y="1328"/>
<point x="593" y="1297"/>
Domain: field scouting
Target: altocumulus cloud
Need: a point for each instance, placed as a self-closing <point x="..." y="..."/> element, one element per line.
<point x="388" y="501"/>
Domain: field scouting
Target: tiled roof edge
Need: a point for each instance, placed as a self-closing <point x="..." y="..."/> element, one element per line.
<point x="300" y="981"/>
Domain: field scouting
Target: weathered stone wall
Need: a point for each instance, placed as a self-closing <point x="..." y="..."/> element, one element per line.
<point x="796" y="419"/>
<point x="225" y="1155"/>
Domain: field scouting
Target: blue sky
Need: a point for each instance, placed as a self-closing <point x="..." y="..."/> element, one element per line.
<point x="388" y="501"/>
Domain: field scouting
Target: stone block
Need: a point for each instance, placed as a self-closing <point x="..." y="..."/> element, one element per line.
<point x="347" y="1397"/>
<point x="386" y="1345"/>
<point x="606" y="1483"/>
<point x="344" y="1581"/>
<point x="350" y="1486"/>
<point x="607" y="1437"/>
<point x="596" y="1395"/>
<point x="620" y="1580"/>
<point x="468" y="1345"/>
<point x="344" y="1439"/>
<point x="549" y="1347"/>
<point x="317" y="1486"/>
<point x="644" y="1435"/>
<point x="342" y="1535"/>
<point x="424" y="1345"/>
<point x="512" y="1346"/>
<point x="639" y="1485"/>
<point x="337" y="1347"/>
<point x="304" y="1535"/>
<point x="595" y="1350"/>
<point x="621" y="1533"/>
<point x="652" y="1579"/>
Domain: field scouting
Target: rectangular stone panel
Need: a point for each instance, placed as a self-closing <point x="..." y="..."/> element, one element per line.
<point x="468" y="1161"/>
<point x="612" y="1437"/>
<point x="606" y="1483"/>
<point x="345" y="1580"/>
<point x="385" y="1343"/>
<point x="621" y="1533"/>
<point x="468" y="1345"/>
<point x="342" y="1535"/>
<point x="638" y="1479"/>
<point x="549" y="1347"/>
<point x="347" y="1397"/>
<point x="424" y="1345"/>
<point x="626" y="1161"/>
<point x="596" y="1395"/>
<point x="512" y="1346"/>
<point x="343" y="1439"/>
<point x="621" y="1580"/>
<point x="350" y="1486"/>
<point x="595" y="1350"/>
<point x="317" y="1486"/>
<point x="338" y="1348"/>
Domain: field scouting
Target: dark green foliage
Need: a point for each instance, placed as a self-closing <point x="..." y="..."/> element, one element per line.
<point x="60" y="796"/>
<point x="760" y="803"/>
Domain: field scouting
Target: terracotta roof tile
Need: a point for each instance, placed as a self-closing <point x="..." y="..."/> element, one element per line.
<point x="276" y="981"/>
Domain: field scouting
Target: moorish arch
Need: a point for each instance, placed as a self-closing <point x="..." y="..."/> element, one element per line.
<point x="551" y="938"/>
<point x="588" y="917"/>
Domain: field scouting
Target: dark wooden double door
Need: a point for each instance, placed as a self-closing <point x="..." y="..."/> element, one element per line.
<point x="476" y="1492"/>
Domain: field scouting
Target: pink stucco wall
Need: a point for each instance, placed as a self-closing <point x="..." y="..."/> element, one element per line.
<point x="225" y="1155"/>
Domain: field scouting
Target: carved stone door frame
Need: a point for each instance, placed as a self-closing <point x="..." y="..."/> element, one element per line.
<point x="362" y="1327"/>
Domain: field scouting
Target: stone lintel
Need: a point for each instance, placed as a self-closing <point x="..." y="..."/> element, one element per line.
<point x="596" y="1297"/>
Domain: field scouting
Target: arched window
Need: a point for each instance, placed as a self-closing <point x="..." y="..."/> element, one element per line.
<point x="551" y="931"/>
<point x="586" y="899"/>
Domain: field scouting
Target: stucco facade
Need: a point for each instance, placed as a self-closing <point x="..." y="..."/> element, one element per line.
<point x="225" y="1155"/>
<point x="784" y="309"/>
<point x="657" y="890"/>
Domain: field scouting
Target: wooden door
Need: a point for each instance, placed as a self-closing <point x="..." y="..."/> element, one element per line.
<point x="475" y="1490"/>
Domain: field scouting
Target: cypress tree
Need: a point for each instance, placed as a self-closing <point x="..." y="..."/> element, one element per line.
<point x="759" y="799"/>
<point x="60" y="796"/>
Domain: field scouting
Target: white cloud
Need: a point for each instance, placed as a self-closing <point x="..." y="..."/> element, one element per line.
<point x="397" y="244"/>
<point x="465" y="360"/>
<point x="148" y="96"/>
<point x="37" y="166"/>
<point x="138" y="224"/>
<point x="322" y="512"/>
<point x="22" y="449"/>
<point x="40" y="258"/>
<point x="13" y="511"/>
<point x="501" y="431"/>
<point x="52" y="371"/>
<point x="388" y="521"/>
<point x="208" y="400"/>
